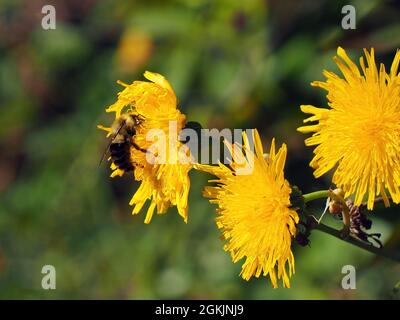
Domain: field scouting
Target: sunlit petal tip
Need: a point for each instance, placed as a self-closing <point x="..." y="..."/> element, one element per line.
<point x="158" y="79"/>
<point x="341" y="52"/>
<point x="122" y="83"/>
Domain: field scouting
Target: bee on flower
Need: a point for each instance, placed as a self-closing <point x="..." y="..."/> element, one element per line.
<point x="145" y="140"/>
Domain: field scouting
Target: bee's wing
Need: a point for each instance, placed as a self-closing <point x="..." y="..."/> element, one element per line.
<point x="105" y="152"/>
<point x="109" y="143"/>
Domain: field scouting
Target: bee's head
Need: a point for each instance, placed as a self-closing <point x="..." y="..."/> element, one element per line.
<point x="125" y="124"/>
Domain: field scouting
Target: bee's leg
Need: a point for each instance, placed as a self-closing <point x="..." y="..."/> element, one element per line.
<point x="138" y="148"/>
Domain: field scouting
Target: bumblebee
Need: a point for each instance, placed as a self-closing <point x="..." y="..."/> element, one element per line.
<point x="123" y="131"/>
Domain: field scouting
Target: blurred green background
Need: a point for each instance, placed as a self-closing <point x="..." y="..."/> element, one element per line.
<point x="233" y="64"/>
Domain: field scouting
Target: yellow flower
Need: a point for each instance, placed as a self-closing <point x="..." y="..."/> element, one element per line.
<point x="164" y="179"/>
<point x="359" y="133"/>
<point x="254" y="212"/>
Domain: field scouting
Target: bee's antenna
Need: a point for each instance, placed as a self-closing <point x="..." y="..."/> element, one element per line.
<point x="109" y="144"/>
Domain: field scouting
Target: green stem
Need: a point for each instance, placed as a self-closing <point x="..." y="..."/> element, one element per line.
<point x="315" y="195"/>
<point x="354" y="241"/>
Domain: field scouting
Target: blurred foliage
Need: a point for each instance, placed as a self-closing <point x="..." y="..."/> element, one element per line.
<point x="233" y="64"/>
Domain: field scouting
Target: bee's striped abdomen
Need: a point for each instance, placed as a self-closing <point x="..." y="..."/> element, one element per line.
<point x="120" y="155"/>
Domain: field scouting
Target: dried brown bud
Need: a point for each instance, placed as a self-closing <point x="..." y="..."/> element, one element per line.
<point x="335" y="207"/>
<point x="359" y="222"/>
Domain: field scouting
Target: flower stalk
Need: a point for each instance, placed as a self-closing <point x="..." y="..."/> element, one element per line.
<point x="315" y="195"/>
<point x="315" y="225"/>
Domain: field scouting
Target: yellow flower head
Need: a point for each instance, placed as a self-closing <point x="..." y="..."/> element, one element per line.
<point x="360" y="131"/>
<point x="254" y="212"/>
<point x="163" y="169"/>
